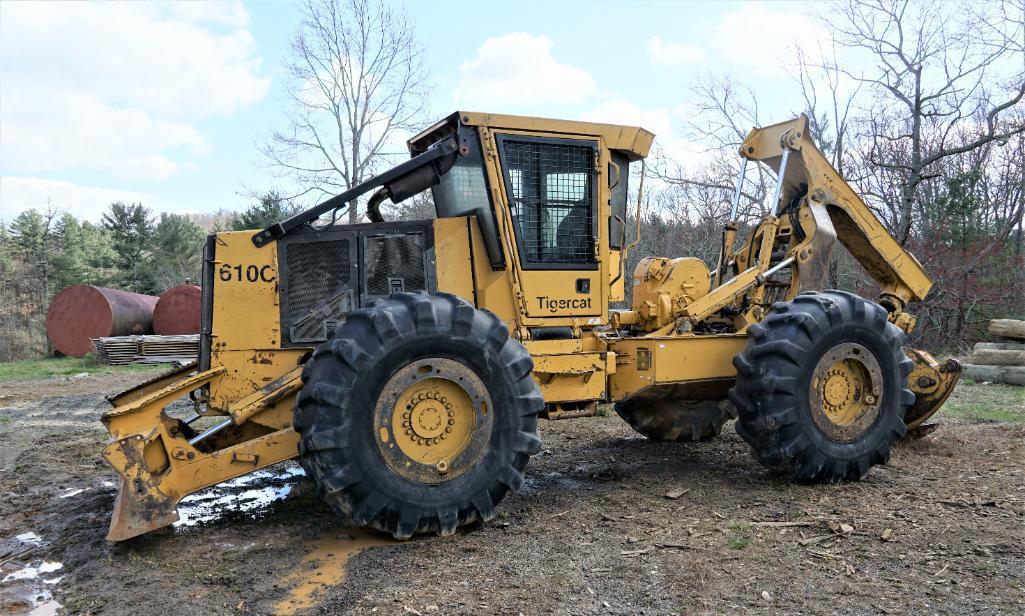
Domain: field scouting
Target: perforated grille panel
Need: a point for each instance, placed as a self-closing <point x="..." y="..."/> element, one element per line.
<point x="319" y="293"/>
<point x="550" y="186"/>
<point x="395" y="264"/>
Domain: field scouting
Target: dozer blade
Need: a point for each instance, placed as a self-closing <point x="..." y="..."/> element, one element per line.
<point x="161" y="460"/>
<point x="931" y="383"/>
<point x="140" y="506"/>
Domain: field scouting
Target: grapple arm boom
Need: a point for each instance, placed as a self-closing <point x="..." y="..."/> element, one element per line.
<point x="900" y="276"/>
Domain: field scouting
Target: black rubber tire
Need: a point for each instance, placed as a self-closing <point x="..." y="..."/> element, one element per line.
<point x="334" y="413"/>
<point x="671" y="419"/>
<point x="772" y="389"/>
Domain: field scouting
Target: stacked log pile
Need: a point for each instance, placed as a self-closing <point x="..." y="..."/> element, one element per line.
<point x="1000" y="362"/>
<point x="117" y="350"/>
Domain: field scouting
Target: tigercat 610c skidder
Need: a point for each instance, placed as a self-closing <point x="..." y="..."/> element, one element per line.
<point x="406" y="363"/>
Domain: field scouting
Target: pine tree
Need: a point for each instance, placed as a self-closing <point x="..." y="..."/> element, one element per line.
<point x="131" y="233"/>
<point x="177" y="251"/>
<point x="271" y="208"/>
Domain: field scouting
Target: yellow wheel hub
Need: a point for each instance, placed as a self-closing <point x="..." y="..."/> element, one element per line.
<point x="433" y="420"/>
<point x="845" y="391"/>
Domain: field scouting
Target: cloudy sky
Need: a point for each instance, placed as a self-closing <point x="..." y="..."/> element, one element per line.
<point x="166" y="103"/>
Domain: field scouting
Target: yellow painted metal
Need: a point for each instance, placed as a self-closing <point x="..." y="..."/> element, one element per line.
<point x="432" y="421"/>
<point x="898" y="273"/>
<point x="617" y="286"/>
<point x="573" y="376"/>
<point x="253" y="381"/>
<point x="550" y="297"/>
<point x="931" y="382"/>
<point x="452" y="253"/>
<point x="664" y="287"/>
<point x="158" y="466"/>
<point x="152" y="385"/>
<point x="248" y="370"/>
<point x="705" y="361"/>
<point x="246" y="314"/>
<point x="840" y="390"/>
<point x="632" y="140"/>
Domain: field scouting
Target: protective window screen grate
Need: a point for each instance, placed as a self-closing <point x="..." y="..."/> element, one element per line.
<point x="552" y="200"/>
<point x="395" y="264"/>
<point x="319" y="293"/>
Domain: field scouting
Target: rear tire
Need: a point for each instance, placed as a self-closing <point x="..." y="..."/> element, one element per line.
<point x="383" y="364"/>
<point x="821" y="388"/>
<point x="672" y="419"/>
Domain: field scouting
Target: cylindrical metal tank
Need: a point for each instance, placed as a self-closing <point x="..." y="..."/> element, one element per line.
<point x="83" y="311"/>
<point x="177" y="312"/>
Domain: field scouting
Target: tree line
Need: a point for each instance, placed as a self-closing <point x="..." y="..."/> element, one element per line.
<point x="929" y="129"/>
<point x="921" y="110"/>
<point x="129" y="248"/>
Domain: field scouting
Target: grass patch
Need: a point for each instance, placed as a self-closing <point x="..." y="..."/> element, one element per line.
<point x="738" y="542"/>
<point x="740" y="539"/>
<point x="975" y="402"/>
<point x="30" y="369"/>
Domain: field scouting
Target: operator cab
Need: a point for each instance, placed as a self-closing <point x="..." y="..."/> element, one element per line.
<point x="549" y="197"/>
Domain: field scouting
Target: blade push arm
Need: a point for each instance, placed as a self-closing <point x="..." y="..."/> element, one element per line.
<point x="898" y="273"/>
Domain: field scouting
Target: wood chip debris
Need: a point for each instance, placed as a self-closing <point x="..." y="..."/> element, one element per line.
<point x="676" y="493"/>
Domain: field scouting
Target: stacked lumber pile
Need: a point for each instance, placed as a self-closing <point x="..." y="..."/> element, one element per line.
<point x="1000" y="362"/>
<point x="118" y="350"/>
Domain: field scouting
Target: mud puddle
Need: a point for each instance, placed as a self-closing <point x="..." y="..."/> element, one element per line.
<point x="324" y="567"/>
<point x="320" y="569"/>
<point x="247" y="494"/>
<point x="27" y="584"/>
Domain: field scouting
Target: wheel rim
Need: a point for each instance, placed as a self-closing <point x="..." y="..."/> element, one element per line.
<point x="433" y="420"/>
<point x="846" y="391"/>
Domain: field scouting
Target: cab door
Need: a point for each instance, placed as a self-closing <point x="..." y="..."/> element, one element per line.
<point x="552" y="196"/>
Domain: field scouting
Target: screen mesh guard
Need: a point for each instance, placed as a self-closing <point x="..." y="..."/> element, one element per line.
<point x="551" y="191"/>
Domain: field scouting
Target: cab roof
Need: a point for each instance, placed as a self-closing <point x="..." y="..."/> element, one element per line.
<point x="634" y="141"/>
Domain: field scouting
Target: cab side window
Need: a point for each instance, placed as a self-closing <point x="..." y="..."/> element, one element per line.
<point x="551" y="191"/>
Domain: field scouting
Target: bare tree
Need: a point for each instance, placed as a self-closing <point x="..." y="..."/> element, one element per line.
<point x="828" y="107"/>
<point x="936" y="74"/>
<point x="724" y="112"/>
<point x="358" y="82"/>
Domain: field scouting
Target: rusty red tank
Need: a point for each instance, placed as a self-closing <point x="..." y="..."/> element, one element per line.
<point x="81" y="312"/>
<point x="177" y="312"/>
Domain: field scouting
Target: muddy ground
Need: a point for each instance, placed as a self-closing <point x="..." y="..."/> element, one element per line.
<point x="939" y="530"/>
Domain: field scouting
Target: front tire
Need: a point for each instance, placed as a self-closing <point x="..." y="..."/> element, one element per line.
<point x="821" y="388"/>
<point x="418" y="416"/>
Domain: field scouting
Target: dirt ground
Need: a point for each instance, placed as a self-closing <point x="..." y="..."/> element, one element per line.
<point x="941" y="529"/>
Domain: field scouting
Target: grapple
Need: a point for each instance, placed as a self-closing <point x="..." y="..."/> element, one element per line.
<point x="932" y="383"/>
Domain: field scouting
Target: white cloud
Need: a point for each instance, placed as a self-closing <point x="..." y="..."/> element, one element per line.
<point x="657" y="120"/>
<point x="18" y="194"/>
<point x="119" y="87"/>
<point x="517" y="71"/>
<point x="231" y="14"/>
<point x="763" y="38"/>
<point x="623" y="111"/>
<point x="668" y="53"/>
